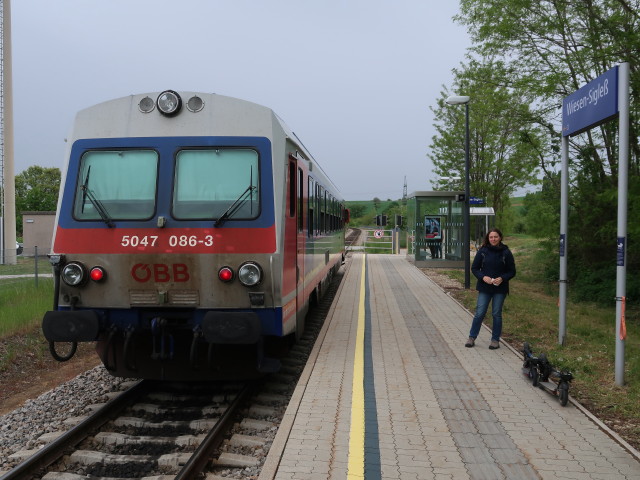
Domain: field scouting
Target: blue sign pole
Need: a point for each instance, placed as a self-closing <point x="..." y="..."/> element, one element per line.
<point x="595" y="103"/>
<point x="623" y="187"/>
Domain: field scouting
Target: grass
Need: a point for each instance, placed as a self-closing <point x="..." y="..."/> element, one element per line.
<point x="22" y="306"/>
<point x="531" y="314"/>
<point x="23" y="303"/>
<point x="26" y="266"/>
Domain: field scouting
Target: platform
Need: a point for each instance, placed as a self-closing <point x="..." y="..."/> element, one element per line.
<point x="392" y="393"/>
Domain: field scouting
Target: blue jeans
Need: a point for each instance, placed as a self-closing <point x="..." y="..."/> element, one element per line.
<point x="497" y="300"/>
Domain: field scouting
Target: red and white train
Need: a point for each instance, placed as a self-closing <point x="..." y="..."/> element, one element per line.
<point x="191" y="230"/>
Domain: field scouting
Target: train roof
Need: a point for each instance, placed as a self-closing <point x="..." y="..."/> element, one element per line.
<point x="201" y="114"/>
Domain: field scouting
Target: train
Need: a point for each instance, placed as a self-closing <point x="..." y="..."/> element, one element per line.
<point x="193" y="230"/>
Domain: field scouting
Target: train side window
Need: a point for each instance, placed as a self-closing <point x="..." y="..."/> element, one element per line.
<point x="318" y="220"/>
<point x="121" y="183"/>
<point x="333" y="214"/>
<point x="325" y="213"/>
<point x="292" y="189"/>
<point x="310" y="204"/>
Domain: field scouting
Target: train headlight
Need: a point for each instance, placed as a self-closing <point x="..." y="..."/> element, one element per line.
<point x="169" y="103"/>
<point x="225" y="274"/>
<point x="250" y="274"/>
<point x="74" y="274"/>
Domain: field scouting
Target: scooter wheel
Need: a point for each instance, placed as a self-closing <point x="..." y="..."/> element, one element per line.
<point x="534" y="376"/>
<point x="563" y="393"/>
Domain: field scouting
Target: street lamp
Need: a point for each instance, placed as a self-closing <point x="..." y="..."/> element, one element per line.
<point x="464" y="100"/>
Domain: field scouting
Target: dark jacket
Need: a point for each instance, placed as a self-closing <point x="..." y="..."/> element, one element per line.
<point x="494" y="262"/>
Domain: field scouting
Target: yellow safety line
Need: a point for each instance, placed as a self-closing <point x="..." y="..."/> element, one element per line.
<point x="355" y="468"/>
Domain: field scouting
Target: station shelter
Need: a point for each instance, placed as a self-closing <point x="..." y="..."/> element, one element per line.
<point x="435" y="228"/>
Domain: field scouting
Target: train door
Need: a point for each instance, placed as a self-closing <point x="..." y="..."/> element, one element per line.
<point x="295" y="243"/>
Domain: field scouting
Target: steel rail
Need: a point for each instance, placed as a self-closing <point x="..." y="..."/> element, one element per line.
<point x="56" y="449"/>
<point x="196" y="463"/>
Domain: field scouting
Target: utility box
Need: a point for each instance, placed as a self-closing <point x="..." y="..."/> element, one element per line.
<point x="37" y="231"/>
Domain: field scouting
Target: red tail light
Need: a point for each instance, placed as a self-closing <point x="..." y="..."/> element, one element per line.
<point x="225" y="274"/>
<point x="97" y="274"/>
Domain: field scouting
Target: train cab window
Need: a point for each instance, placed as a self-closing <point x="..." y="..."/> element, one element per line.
<point x="292" y="189"/>
<point x="212" y="183"/>
<point x="116" y="185"/>
<point x="310" y="205"/>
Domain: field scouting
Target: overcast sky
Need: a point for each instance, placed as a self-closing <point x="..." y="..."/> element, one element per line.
<point x="353" y="78"/>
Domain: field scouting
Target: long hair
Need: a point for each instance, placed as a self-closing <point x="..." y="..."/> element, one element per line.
<point x="486" y="237"/>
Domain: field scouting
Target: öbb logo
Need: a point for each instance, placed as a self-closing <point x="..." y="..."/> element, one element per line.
<point x="160" y="272"/>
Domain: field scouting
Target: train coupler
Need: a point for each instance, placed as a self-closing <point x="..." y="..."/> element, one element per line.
<point x="193" y="351"/>
<point x="129" y="346"/>
<point x="163" y="342"/>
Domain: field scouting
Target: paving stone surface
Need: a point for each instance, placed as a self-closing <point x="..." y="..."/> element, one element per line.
<point x="442" y="411"/>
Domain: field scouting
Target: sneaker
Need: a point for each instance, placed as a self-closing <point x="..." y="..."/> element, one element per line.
<point x="495" y="344"/>
<point x="470" y="343"/>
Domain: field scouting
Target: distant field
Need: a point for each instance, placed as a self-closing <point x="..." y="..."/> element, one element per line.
<point x="517" y="201"/>
<point x="369" y="205"/>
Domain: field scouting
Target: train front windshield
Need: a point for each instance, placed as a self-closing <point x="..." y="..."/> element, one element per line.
<point x="209" y="184"/>
<point x="216" y="183"/>
<point x="116" y="185"/>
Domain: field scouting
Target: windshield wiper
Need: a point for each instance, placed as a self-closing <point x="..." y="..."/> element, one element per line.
<point x="97" y="204"/>
<point x="236" y="205"/>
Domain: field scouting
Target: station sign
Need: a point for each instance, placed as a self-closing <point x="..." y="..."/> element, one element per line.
<point x="476" y="200"/>
<point x="591" y="105"/>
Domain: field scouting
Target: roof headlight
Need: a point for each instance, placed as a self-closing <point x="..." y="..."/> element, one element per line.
<point x="195" y="104"/>
<point x="146" y="105"/>
<point x="74" y="274"/>
<point x="169" y="103"/>
<point x="250" y="274"/>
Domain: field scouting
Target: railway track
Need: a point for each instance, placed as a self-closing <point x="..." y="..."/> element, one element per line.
<point x="149" y="430"/>
<point x="162" y="431"/>
<point x="353" y="237"/>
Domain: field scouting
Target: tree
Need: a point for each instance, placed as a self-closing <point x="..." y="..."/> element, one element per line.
<point x="36" y="191"/>
<point x="504" y="146"/>
<point x="357" y="210"/>
<point x="551" y="48"/>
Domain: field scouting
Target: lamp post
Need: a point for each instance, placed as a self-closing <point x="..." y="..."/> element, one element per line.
<point x="464" y="100"/>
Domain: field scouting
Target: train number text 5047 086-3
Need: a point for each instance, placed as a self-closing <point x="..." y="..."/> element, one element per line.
<point x="136" y="241"/>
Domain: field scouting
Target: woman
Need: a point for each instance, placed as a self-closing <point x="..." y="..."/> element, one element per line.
<point x="493" y="266"/>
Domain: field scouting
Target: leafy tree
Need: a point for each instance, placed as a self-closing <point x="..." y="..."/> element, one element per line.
<point x="504" y="146"/>
<point x="541" y="212"/>
<point x="551" y="48"/>
<point x="36" y="191"/>
<point x="357" y="210"/>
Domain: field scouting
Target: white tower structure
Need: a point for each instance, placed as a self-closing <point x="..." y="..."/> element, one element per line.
<point x="7" y="176"/>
